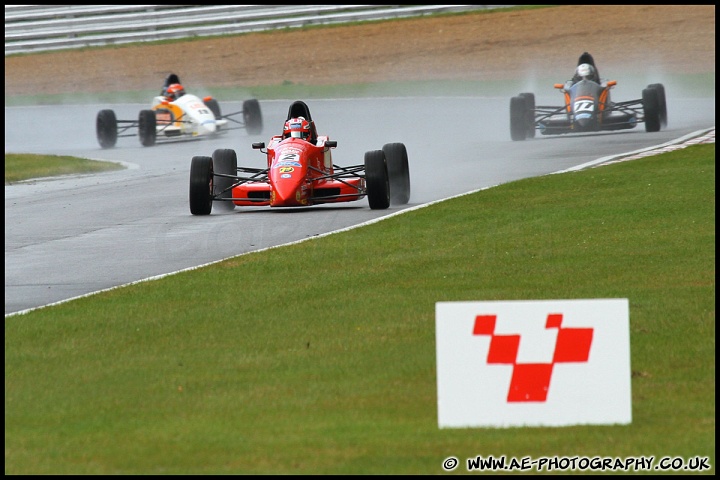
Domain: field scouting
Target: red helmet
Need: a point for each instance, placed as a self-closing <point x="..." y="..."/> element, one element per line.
<point x="297" y="128"/>
<point x="175" y="91"/>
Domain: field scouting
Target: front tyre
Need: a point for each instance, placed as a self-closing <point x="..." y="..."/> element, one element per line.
<point x="530" y="113"/>
<point x="252" y="117"/>
<point x="201" y="185"/>
<point x="651" y="109"/>
<point x="398" y="171"/>
<point x="224" y="163"/>
<point x="106" y="128"/>
<point x="147" y="128"/>
<point x="518" y="118"/>
<point x="661" y="102"/>
<point x="377" y="181"/>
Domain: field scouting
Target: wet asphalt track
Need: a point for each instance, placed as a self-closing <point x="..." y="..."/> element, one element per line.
<point x="76" y="235"/>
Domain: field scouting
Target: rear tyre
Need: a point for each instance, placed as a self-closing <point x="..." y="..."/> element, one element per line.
<point x="377" y="180"/>
<point x="651" y="109"/>
<point x="661" y="102"/>
<point x="224" y="162"/>
<point x="214" y="107"/>
<point x="518" y="120"/>
<point x="201" y="185"/>
<point x="252" y="116"/>
<point x="530" y="112"/>
<point x="398" y="171"/>
<point x="147" y="128"/>
<point x="106" y="128"/>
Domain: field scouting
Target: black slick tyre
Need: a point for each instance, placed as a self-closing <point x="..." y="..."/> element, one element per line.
<point x="147" y="128"/>
<point x="530" y="113"/>
<point x="651" y="109"/>
<point x="662" y="102"/>
<point x="201" y="185"/>
<point x="224" y="163"/>
<point x="106" y="128"/>
<point x="518" y="118"/>
<point x="252" y="117"/>
<point x="398" y="171"/>
<point x="377" y="181"/>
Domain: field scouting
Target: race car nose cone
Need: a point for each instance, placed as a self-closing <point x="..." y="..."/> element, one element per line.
<point x="584" y="122"/>
<point x="288" y="193"/>
<point x="278" y="200"/>
<point x="209" y="127"/>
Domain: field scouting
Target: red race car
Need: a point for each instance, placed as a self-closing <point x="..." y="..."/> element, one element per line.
<point x="300" y="172"/>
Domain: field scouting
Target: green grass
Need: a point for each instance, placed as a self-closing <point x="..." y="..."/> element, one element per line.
<point x="694" y="85"/>
<point x="319" y="357"/>
<point x="25" y="166"/>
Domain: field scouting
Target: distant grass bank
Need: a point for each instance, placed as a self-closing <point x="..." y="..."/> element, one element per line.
<point x="319" y="357"/>
<point x="694" y="85"/>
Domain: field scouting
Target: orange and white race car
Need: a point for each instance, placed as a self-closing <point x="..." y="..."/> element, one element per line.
<point x="177" y="115"/>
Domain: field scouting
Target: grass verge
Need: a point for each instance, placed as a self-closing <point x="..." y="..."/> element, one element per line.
<point x="319" y="358"/>
<point x="25" y="166"/>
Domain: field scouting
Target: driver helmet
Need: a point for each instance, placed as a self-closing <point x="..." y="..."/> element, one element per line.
<point x="297" y="128"/>
<point x="175" y="91"/>
<point x="585" y="70"/>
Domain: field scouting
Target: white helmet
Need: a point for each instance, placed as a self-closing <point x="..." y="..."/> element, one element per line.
<point x="585" y="70"/>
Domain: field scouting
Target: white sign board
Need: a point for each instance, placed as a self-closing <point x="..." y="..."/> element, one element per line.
<point x="533" y="363"/>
